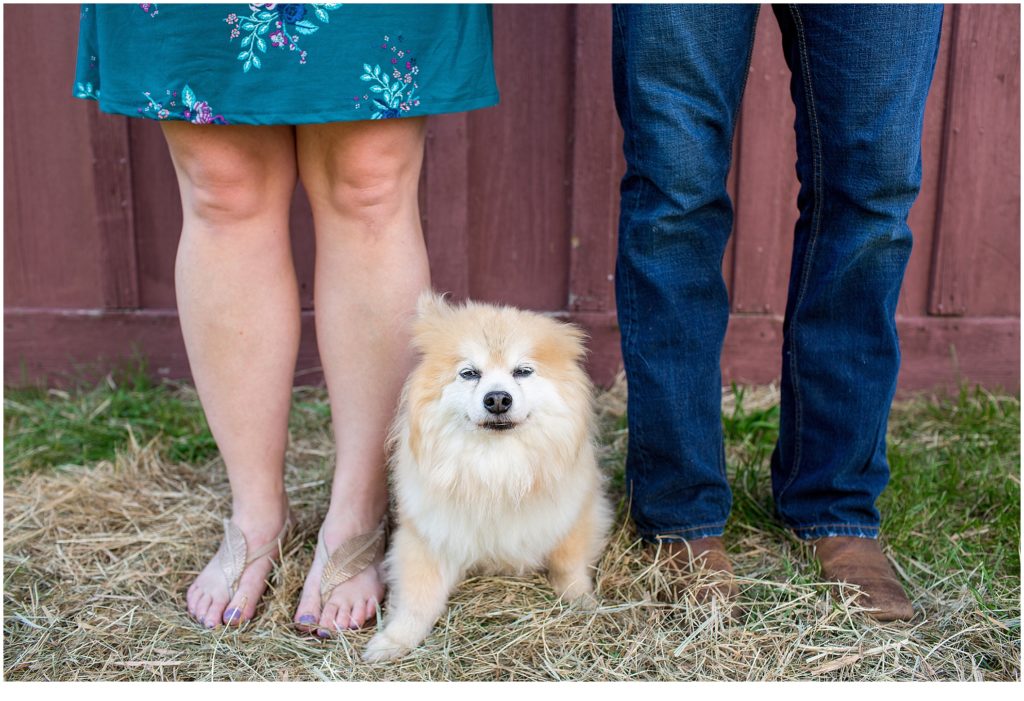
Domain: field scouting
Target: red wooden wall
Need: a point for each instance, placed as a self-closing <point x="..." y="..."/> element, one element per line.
<point x="91" y="212"/>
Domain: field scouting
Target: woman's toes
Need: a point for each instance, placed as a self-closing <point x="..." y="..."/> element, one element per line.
<point x="344" y="618"/>
<point x="357" y="615"/>
<point x="238" y="610"/>
<point x="252" y="584"/>
<point x="371" y="611"/>
<point x="307" y="613"/>
<point x="202" y="607"/>
<point x="216" y="611"/>
<point x="327" y="626"/>
<point x="306" y="621"/>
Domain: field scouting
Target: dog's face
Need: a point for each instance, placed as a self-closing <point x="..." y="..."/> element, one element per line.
<point x="497" y="371"/>
<point x="496" y="387"/>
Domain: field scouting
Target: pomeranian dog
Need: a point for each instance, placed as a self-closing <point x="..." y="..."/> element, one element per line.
<point x="492" y="464"/>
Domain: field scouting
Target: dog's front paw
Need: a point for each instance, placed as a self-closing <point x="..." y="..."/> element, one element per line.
<point x="585" y="601"/>
<point x="382" y="648"/>
<point x="575" y="589"/>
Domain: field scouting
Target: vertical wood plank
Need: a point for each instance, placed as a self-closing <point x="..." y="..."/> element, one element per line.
<point x="519" y="157"/>
<point x="976" y="268"/>
<point x="114" y="209"/>
<point x="52" y="249"/>
<point x="157" y="214"/>
<point x="446" y="210"/>
<point x="766" y="180"/>
<point x="596" y="139"/>
<point x="914" y="299"/>
<point x="303" y="240"/>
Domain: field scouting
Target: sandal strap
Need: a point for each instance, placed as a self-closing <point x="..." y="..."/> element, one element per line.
<point x="273" y="544"/>
<point x="234" y="552"/>
<point x="350" y="558"/>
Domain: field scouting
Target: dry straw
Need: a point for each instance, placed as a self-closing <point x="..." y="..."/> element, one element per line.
<point x="97" y="560"/>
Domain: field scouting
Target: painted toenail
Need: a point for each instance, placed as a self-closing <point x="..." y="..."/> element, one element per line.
<point x="232" y="615"/>
<point x="323" y="634"/>
<point x="209" y="624"/>
<point x="353" y="626"/>
<point x="307" y="618"/>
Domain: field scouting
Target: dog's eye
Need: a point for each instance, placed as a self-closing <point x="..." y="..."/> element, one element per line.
<point x="470" y="374"/>
<point x="522" y="372"/>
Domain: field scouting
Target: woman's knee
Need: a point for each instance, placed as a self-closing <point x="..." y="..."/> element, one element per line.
<point x="231" y="180"/>
<point x="369" y="192"/>
<point x="367" y="176"/>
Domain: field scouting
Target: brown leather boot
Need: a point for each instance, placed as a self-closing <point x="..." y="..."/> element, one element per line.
<point x="704" y="572"/>
<point x="860" y="561"/>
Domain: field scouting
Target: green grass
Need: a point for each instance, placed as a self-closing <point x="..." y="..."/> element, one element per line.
<point x="51" y="428"/>
<point x="956" y="479"/>
<point x="48" y="428"/>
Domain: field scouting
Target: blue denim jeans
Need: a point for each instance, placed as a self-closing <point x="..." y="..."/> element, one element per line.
<point x="860" y="75"/>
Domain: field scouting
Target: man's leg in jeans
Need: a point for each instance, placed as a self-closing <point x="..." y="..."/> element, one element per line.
<point x="861" y="74"/>
<point x="679" y="72"/>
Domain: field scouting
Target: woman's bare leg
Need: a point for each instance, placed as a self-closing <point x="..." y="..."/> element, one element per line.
<point x="239" y="308"/>
<point x="371" y="265"/>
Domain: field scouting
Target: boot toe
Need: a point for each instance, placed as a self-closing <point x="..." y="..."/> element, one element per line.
<point x="860" y="561"/>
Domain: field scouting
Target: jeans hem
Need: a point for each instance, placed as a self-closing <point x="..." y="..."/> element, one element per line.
<point x="681" y="535"/>
<point x="828" y="530"/>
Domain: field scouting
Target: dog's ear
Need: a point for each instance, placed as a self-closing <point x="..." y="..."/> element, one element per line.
<point x="558" y="345"/>
<point x="431" y="304"/>
<point x="573" y="341"/>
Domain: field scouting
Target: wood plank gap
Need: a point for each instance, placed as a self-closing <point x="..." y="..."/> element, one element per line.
<point x="114" y="209"/>
<point x="446" y="214"/>
<point x="593" y="187"/>
<point x="936" y="307"/>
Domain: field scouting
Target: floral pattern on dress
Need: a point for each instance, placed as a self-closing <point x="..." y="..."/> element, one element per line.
<point x="191" y="108"/>
<point x="150" y="8"/>
<point x="394" y="87"/>
<point x="282" y="24"/>
<point x="86" y="91"/>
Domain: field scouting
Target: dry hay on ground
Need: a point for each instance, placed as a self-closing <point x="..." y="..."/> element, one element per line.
<point x="97" y="560"/>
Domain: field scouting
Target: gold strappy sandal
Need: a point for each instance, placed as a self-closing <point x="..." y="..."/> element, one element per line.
<point x="350" y="558"/>
<point x="234" y="555"/>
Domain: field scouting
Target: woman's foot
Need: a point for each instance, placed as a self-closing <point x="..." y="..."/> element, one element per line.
<point x="352" y="603"/>
<point x="209" y="599"/>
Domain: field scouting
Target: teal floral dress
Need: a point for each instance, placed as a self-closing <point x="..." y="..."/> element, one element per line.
<point x="285" y="63"/>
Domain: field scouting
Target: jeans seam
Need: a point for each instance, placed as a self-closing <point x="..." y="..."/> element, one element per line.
<point x="630" y="341"/>
<point x="722" y="467"/>
<point x="816" y="180"/>
<point x="746" y="78"/>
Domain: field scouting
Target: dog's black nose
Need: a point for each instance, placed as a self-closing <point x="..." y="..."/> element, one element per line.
<point x="497" y="402"/>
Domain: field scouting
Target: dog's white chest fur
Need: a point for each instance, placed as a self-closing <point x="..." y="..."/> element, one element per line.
<point x="482" y="505"/>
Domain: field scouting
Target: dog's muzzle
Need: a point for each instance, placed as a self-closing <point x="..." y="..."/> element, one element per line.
<point x="498" y="425"/>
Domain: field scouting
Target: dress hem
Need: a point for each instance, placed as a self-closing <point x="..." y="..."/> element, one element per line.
<point x="351" y="115"/>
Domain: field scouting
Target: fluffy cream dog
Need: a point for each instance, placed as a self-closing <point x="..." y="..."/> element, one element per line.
<point x="493" y="464"/>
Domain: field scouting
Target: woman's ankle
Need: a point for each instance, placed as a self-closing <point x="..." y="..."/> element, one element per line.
<point x="352" y="516"/>
<point x="262" y="515"/>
